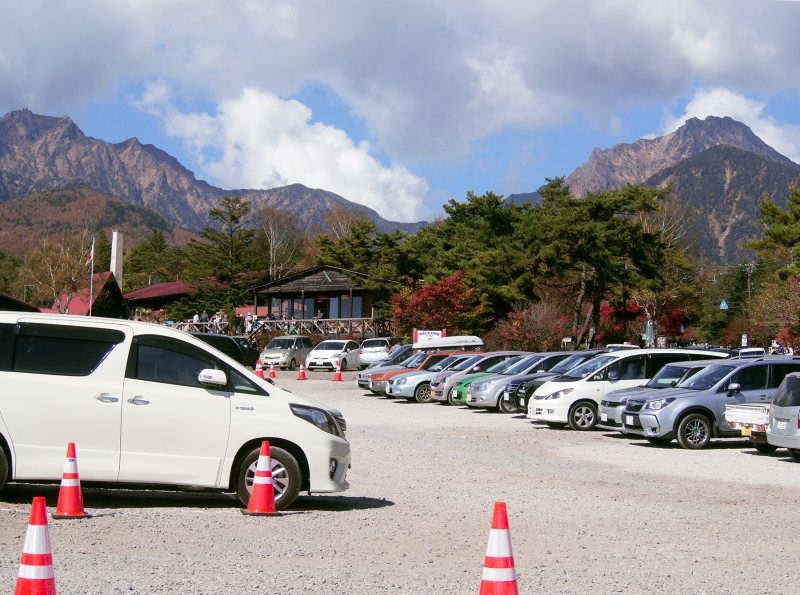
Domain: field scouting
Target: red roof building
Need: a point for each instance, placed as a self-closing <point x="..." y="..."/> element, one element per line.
<point x="107" y="298"/>
<point x="12" y="304"/>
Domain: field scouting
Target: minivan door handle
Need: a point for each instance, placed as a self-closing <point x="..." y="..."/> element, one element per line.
<point x="138" y="401"/>
<point x="106" y="399"/>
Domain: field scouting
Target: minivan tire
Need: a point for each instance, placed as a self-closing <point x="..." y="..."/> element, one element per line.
<point x="3" y="468"/>
<point x="583" y="416"/>
<point x="795" y="454"/>
<point x="285" y="475"/>
<point x="423" y="392"/>
<point x="694" y="431"/>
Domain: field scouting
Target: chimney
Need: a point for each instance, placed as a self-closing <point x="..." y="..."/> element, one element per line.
<point x="116" y="256"/>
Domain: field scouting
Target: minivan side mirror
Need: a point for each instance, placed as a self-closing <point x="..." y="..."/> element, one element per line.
<point x="612" y="375"/>
<point x="210" y="377"/>
<point x="734" y="387"/>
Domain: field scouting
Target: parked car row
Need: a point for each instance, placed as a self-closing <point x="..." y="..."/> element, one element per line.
<point x="658" y="394"/>
<point x="289" y="351"/>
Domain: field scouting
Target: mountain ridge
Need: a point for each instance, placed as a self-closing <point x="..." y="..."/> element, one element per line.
<point x="40" y="153"/>
<point x="633" y="163"/>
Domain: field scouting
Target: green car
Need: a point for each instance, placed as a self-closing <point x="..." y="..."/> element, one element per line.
<point x="458" y="393"/>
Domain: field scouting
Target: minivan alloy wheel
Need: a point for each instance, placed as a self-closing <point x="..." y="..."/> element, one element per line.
<point x="286" y="477"/>
<point x="582" y="417"/>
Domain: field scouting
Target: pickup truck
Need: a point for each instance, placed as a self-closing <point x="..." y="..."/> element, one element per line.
<point x="752" y="420"/>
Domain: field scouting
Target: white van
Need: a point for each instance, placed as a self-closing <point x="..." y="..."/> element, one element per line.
<point x="145" y="403"/>
<point x="573" y="398"/>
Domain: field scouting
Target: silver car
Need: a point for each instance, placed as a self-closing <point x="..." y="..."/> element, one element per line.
<point x="670" y="376"/>
<point x="416" y="385"/>
<point x="694" y="411"/>
<point x="784" y="416"/>
<point x="441" y="384"/>
<point x="374" y="350"/>
<point x="286" y="352"/>
<point x="487" y="392"/>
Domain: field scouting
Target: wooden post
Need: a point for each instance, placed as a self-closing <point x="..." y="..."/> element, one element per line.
<point x="303" y="303"/>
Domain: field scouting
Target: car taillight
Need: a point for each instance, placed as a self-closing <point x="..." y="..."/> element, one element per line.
<point x="361" y="349"/>
<point x="388" y="347"/>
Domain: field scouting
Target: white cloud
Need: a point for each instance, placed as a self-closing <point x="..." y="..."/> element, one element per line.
<point x="429" y="78"/>
<point x="784" y="138"/>
<point x="259" y="140"/>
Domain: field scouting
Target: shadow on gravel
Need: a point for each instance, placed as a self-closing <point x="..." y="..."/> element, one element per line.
<point x="618" y="436"/>
<point x="338" y="503"/>
<point x="713" y="445"/>
<point x="113" y="497"/>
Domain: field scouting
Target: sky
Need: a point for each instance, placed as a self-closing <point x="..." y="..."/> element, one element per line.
<point x="400" y="106"/>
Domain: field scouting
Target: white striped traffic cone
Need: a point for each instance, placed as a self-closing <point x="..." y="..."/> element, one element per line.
<point x="35" y="576"/>
<point x="272" y="370"/>
<point x="337" y="376"/>
<point x="70" y="499"/>
<point x="499" y="576"/>
<point x="262" y="496"/>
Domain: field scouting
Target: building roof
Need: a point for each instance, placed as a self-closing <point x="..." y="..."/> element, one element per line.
<point x="12" y="304"/>
<point x="321" y="277"/>
<point x="160" y="290"/>
<point x="79" y="305"/>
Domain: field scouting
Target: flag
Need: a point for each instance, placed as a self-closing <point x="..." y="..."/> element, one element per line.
<point x="91" y="253"/>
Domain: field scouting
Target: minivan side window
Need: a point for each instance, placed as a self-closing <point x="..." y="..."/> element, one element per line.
<point x="60" y="350"/>
<point x="629" y="368"/>
<point x="656" y="361"/>
<point x="6" y="331"/>
<point x="160" y="359"/>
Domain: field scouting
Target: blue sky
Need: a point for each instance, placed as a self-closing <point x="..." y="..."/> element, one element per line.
<point x="400" y="106"/>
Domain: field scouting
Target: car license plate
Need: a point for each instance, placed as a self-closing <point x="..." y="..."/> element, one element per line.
<point x="522" y="402"/>
<point x="629" y="420"/>
<point x="506" y="396"/>
<point x="453" y="393"/>
<point x="747" y="431"/>
<point x="604" y="417"/>
<point x="781" y="425"/>
<point x="370" y="383"/>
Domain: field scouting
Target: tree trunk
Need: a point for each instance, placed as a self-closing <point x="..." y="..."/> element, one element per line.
<point x="595" y="321"/>
<point x="577" y="314"/>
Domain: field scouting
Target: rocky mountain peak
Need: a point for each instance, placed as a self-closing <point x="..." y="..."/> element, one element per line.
<point x="633" y="163"/>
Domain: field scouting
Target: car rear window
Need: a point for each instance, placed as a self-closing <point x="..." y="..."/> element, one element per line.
<point x="62" y="350"/>
<point x="788" y="393"/>
<point x="375" y="343"/>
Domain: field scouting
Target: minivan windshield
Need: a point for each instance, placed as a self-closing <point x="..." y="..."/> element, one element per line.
<point x="788" y="393"/>
<point x="707" y="378"/>
<point x="467" y="363"/>
<point x="522" y="366"/>
<point x="570" y="362"/>
<point x="445" y="363"/>
<point x="590" y="367"/>
<point x="330" y="346"/>
<point x="281" y="344"/>
<point x="505" y="364"/>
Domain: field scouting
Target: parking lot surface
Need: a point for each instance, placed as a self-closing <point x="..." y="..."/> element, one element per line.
<point x="588" y="513"/>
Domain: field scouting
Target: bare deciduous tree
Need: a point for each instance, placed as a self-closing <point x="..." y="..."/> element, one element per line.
<point x="279" y="239"/>
<point x="339" y="220"/>
<point x="57" y="267"/>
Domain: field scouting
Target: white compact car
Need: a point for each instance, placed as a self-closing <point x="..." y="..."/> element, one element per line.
<point x="329" y="353"/>
<point x="144" y="403"/>
<point x="375" y="350"/>
<point x="573" y="398"/>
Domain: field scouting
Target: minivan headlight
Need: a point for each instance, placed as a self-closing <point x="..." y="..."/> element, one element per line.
<point x="658" y="403"/>
<point x="558" y="394"/>
<point x="315" y="416"/>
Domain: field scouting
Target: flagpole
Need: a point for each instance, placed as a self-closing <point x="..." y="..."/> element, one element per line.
<point x="91" y="276"/>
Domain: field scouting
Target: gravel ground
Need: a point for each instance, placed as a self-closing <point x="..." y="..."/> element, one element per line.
<point x="589" y="513"/>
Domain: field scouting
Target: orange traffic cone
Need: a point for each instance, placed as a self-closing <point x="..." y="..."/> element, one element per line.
<point x="70" y="499"/>
<point x="338" y="374"/>
<point x="259" y="371"/>
<point x="301" y="375"/>
<point x="262" y="497"/>
<point x="272" y="370"/>
<point x="499" y="576"/>
<point x="35" y="576"/>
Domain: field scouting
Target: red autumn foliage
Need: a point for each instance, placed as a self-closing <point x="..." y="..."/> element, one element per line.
<point x="448" y="304"/>
<point x="539" y="327"/>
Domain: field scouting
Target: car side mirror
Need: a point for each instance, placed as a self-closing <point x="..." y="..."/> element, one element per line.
<point x="612" y="375"/>
<point x="475" y="370"/>
<point x="211" y="377"/>
<point x="734" y="387"/>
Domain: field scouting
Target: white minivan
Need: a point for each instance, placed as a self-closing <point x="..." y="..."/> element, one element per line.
<point x="144" y="403"/>
<point x="573" y="397"/>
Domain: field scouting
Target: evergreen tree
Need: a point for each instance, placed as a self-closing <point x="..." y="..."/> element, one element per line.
<point x="227" y="247"/>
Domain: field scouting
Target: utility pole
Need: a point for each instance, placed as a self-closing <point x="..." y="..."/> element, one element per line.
<point x="750" y="268"/>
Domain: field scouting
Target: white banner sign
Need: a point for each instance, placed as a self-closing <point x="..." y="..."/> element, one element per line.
<point x="427" y="335"/>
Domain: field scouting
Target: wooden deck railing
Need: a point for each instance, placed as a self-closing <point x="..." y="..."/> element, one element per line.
<point x="361" y="327"/>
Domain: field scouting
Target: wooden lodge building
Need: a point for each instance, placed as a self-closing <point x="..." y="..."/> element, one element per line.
<point x="323" y="300"/>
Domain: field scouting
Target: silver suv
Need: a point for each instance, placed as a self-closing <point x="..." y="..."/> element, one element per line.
<point x="694" y="411"/>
